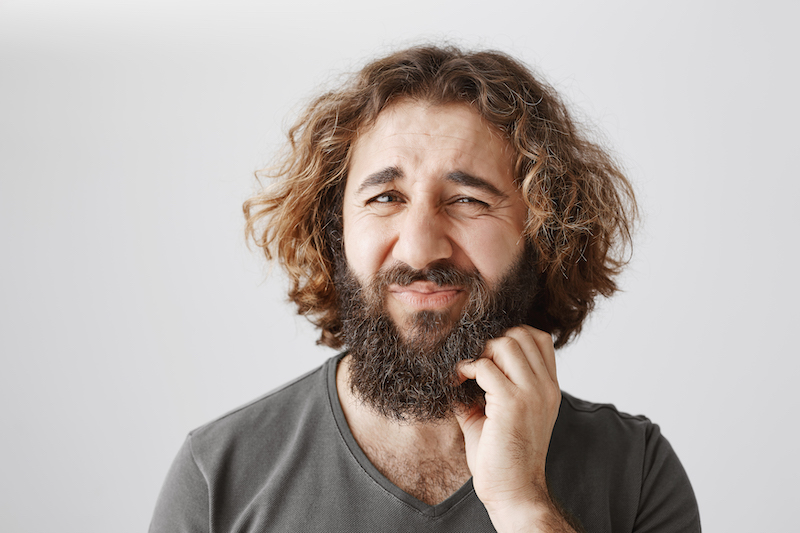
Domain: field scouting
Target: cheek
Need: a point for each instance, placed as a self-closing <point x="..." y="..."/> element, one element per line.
<point x="492" y="252"/>
<point x="366" y="244"/>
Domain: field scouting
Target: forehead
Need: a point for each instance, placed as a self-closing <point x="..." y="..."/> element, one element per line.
<point x="429" y="139"/>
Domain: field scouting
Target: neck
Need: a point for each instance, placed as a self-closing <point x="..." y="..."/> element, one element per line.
<point x="425" y="459"/>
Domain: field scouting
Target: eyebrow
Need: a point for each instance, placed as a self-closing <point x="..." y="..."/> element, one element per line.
<point x="462" y="178"/>
<point x="393" y="173"/>
<point x="381" y="177"/>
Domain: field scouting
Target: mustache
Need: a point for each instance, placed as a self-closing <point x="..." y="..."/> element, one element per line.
<point x="442" y="273"/>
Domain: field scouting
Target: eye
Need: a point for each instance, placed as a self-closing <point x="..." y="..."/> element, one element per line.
<point x="385" y="198"/>
<point x="470" y="201"/>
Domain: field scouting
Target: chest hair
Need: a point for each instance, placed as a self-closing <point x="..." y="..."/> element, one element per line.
<point x="429" y="478"/>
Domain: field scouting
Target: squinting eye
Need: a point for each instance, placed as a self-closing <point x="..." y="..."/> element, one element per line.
<point x="468" y="200"/>
<point x="385" y="198"/>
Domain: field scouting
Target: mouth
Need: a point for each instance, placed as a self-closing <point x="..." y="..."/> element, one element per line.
<point x="425" y="295"/>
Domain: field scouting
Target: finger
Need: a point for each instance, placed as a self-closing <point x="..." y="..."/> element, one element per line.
<point x="470" y="418"/>
<point x="487" y="375"/>
<point x="508" y="354"/>
<point x="545" y="342"/>
<point x="471" y="422"/>
<point x="543" y="357"/>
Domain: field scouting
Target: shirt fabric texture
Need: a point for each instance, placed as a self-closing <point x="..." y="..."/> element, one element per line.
<point x="287" y="462"/>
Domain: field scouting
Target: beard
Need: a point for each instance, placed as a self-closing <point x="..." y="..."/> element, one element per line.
<point x="411" y="375"/>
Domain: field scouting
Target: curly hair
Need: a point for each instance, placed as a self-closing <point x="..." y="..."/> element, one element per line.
<point x="581" y="208"/>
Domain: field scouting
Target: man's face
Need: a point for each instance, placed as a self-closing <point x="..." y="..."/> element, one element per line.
<point x="436" y="263"/>
<point x="431" y="183"/>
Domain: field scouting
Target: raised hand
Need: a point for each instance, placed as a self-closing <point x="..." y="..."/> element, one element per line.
<point x="507" y="439"/>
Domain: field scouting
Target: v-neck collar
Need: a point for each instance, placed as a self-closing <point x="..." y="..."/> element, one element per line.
<point x="360" y="457"/>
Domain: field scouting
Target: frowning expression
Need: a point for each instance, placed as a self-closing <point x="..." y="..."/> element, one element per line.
<point x="431" y="183"/>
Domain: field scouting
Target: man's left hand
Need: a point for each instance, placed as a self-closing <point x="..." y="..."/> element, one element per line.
<point x="507" y="439"/>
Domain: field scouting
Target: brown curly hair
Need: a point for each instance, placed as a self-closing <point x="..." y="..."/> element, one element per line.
<point x="581" y="208"/>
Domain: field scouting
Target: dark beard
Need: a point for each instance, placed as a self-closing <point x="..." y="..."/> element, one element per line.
<point x="413" y="376"/>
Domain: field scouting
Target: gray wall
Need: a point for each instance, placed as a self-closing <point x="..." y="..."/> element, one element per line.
<point x="131" y="310"/>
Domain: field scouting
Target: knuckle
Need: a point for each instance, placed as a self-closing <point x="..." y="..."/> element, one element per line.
<point x="501" y="344"/>
<point x="518" y="329"/>
<point x="541" y="336"/>
<point x="482" y="363"/>
<point x="554" y="395"/>
<point x="507" y="342"/>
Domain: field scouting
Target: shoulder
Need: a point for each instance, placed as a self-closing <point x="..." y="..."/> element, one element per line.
<point x="598" y="450"/>
<point x="602" y="434"/>
<point x="600" y="419"/>
<point x="265" y="422"/>
<point x="225" y="463"/>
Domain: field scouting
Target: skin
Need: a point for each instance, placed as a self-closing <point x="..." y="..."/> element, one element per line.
<point x="430" y="183"/>
<point x="403" y="202"/>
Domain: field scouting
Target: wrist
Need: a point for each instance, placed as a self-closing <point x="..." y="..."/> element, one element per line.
<point x="535" y="514"/>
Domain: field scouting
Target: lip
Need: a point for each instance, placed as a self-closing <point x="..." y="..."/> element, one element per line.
<point x="423" y="295"/>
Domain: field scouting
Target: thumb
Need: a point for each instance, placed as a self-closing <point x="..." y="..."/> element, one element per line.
<point x="470" y="420"/>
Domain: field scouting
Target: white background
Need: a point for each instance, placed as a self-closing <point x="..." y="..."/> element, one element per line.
<point x="131" y="310"/>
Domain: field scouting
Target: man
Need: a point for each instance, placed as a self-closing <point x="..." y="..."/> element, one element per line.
<point x="442" y="218"/>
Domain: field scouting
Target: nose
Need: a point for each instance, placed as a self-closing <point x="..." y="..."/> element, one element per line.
<point x="422" y="238"/>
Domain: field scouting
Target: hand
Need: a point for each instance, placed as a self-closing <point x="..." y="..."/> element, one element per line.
<point x="507" y="439"/>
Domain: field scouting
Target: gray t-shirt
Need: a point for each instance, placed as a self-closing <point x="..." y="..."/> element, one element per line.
<point x="288" y="462"/>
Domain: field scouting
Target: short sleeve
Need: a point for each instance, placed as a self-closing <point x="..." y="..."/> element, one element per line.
<point x="182" y="505"/>
<point x="667" y="502"/>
